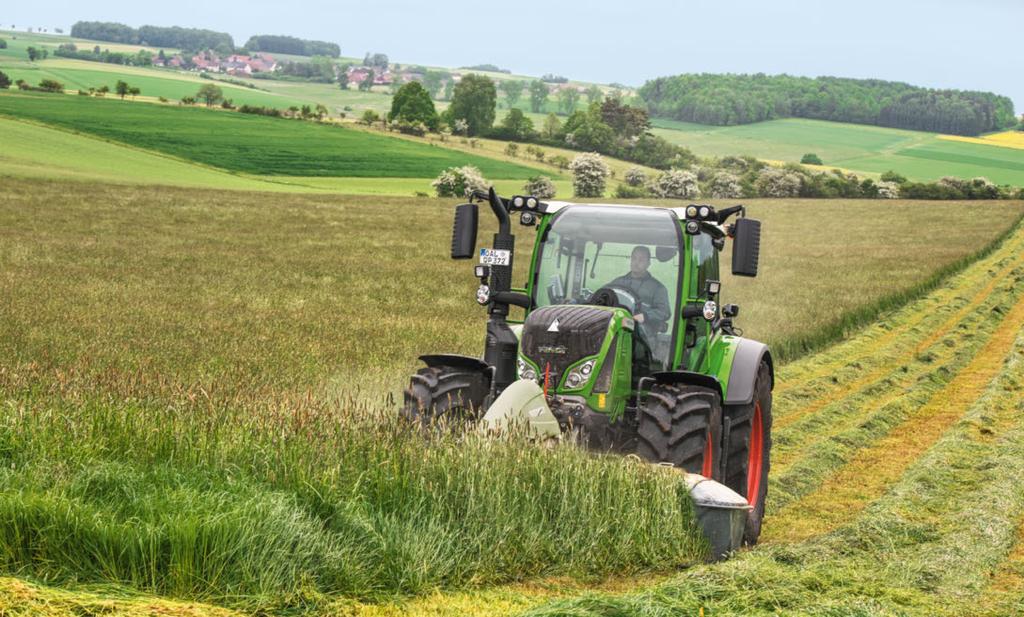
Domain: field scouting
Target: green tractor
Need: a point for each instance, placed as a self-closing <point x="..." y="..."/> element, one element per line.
<point x="624" y="345"/>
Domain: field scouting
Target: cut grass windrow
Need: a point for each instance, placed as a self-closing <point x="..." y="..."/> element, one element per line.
<point x="844" y="494"/>
<point x="914" y="315"/>
<point x="930" y="366"/>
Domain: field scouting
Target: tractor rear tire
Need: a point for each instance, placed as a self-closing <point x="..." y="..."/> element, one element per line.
<point x="681" y="425"/>
<point x="444" y="395"/>
<point x="749" y="451"/>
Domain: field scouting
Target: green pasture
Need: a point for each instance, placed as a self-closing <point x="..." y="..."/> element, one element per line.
<point x="248" y="143"/>
<point x="80" y="75"/>
<point x="42" y="152"/>
<point x="858" y="148"/>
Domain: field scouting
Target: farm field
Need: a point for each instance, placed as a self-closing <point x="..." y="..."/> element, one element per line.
<point x="257" y="333"/>
<point x="859" y="148"/>
<point x="248" y="143"/>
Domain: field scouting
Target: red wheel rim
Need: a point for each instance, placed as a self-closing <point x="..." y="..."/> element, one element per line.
<point x="755" y="458"/>
<point x="706" y="469"/>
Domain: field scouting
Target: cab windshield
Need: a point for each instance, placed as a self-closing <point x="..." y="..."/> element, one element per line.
<point x="630" y="253"/>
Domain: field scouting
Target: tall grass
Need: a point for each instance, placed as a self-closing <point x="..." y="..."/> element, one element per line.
<point x="280" y="501"/>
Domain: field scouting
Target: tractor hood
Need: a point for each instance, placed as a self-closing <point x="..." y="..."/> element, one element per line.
<point x="554" y="338"/>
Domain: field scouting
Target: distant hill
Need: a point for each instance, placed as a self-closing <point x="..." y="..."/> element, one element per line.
<point x="725" y="100"/>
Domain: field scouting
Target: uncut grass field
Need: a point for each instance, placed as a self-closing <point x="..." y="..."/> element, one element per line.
<point x="859" y="148"/>
<point x="197" y="390"/>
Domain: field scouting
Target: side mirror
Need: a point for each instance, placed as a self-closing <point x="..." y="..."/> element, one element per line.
<point x="464" y="231"/>
<point x="746" y="247"/>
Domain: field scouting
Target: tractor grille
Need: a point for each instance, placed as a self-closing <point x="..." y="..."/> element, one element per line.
<point x="580" y="333"/>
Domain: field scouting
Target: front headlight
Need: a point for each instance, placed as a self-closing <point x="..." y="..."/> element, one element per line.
<point x="526" y="371"/>
<point x="579" y="375"/>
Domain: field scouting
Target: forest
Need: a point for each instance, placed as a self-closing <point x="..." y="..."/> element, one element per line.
<point x="728" y="99"/>
<point x="291" y="45"/>
<point x="174" y="37"/>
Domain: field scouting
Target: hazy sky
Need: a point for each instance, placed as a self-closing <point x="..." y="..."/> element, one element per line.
<point x="937" y="43"/>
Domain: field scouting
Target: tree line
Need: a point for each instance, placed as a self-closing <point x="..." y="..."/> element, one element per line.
<point x="725" y="100"/>
<point x="157" y="36"/>
<point x="281" y="44"/>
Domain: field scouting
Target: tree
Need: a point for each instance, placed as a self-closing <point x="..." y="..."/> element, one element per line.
<point x="3" y="44"/>
<point x="370" y="117"/>
<point x="377" y="61"/>
<point x="367" y="82"/>
<point x="321" y="111"/>
<point x="433" y="81"/>
<point x="515" y="126"/>
<point x="677" y="184"/>
<point x="567" y="99"/>
<point x="811" y="159"/>
<point x="589" y="175"/>
<point x="594" y="94"/>
<point x="458" y="181"/>
<point x="474" y="101"/>
<point x="626" y="121"/>
<point x="538" y="95"/>
<point x="51" y="85"/>
<point x="134" y="92"/>
<point x="33" y="54"/>
<point x="513" y="90"/>
<point x="343" y="78"/>
<point x="122" y="89"/>
<point x="412" y="103"/>
<point x="210" y="94"/>
<point x="5" y="81"/>
<point x="540" y="186"/>
<point x="552" y="127"/>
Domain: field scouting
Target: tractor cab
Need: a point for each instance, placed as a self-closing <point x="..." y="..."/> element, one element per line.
<point x="618" y="256"/>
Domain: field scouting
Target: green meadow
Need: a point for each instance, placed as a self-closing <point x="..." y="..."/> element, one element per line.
<point x="859" y="148"/>
<point x="248" y="143"/>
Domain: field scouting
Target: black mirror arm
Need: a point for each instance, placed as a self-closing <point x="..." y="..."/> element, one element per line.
<point x="513" y="298"/>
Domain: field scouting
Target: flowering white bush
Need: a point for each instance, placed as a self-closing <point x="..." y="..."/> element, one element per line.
<point x="888" y="190"/>
<point x="677" y="184"/>
<point x="778" y="183"/>
<point x="458" y="181"/>
<point x="635" y="176"/>
<point x="540" y="186"/>
<point x="725" y="186"/>
<point x="589" y="174"/>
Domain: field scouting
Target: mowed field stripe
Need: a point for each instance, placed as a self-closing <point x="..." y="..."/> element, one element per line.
<point x="870" y="343"/>
<point x="887" y="367"/>
<point x="872" y="470"/>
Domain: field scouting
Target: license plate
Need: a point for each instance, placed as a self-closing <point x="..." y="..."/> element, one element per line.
<point x="495" y="257"/>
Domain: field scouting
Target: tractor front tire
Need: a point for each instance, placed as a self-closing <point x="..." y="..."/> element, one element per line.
<point x="444" y="395"/>
<point x="749" y="449"/>
<point x="681" y="425"/>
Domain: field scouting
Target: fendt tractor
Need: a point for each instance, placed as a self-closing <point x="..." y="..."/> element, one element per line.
<point x="624" y="345"/>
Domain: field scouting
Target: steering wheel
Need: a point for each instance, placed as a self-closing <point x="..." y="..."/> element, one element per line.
<point x="614" y="296"/>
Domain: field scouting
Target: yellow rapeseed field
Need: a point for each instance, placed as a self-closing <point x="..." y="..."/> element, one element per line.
<point x="1006" y="139"/>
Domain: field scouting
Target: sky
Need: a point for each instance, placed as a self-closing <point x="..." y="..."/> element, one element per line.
<point x="937" y="43"/>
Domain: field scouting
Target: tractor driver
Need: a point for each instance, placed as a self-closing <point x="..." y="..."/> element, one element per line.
<point x="653" y="309"/>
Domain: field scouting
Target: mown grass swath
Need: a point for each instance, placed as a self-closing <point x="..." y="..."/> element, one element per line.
<point x="251" y="144"/>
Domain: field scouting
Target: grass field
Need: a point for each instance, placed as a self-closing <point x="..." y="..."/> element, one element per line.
<point x="859" y="148"/>
<point x="217" y="362"/>
<point x="248" y="143"/>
